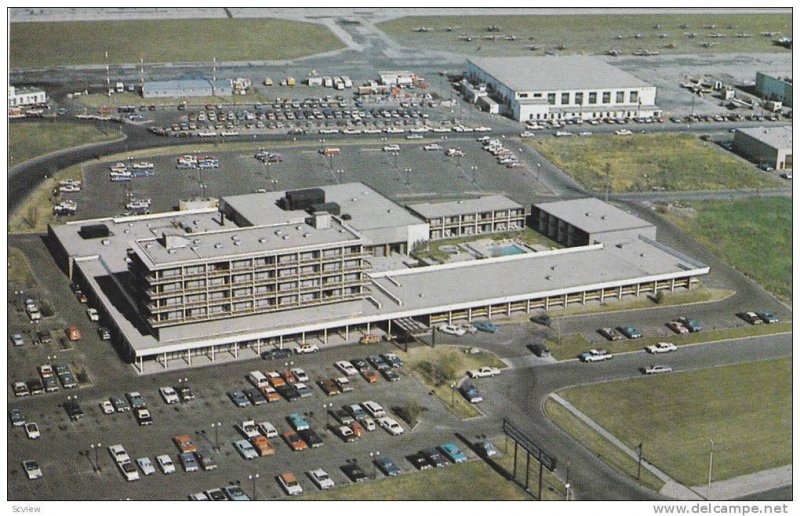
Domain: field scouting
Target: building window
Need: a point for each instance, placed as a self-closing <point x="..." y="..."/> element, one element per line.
<point x="606" y="97"/>
<point x="634" y="97"/>
<point x="620" y="97"/>
<point x="565" y="98"/>
<point x="592" y="97"/>
<point x="523" y="95"/>
<point x="537" y="95"/>
<point x="551" y="98"/>
<point x="579" y="98"/>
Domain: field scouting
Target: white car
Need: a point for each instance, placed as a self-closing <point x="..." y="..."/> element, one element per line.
<point x="146" y="465"/>
<point x="32" y="469"/>
<point x="94" y="316"/>
<point x="432" y="147"/>
<point x="483" y="372"/>
<point x="467" y="327"/>
<point x="391" y="148"/>
<point x="596" y="355"/>
<point x="32" y="430"/>
<point x="166" y="464"/>
<point x="267" y="429"/>
<point x="623" y="132"/>
<point x="346" y="367"/>
<point x="306" y="348"/>
<point x="373" y="409"/>
<point x="246" y="449"/>
<point x="368" y="423"/>
<point x="661" y="347"/>
<point x="290" y="484"/>
<point x="169" y="395"/>
<point x="118" y="453"/>
<point x="321" y="479"/>
<point x="656" y="369"/>
<point x="585" y="133"/>
<point x="452" y="329"/>
<point x="391" y="425"/>
<point x="526" y="134"/>
<point x="248" y="428"/>
<point x="300" y="375"/>
<point x="107" y="407"/>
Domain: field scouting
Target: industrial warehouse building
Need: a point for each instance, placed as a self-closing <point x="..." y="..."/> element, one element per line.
<point x="774" y="86"/>
<point x="563" y="88"/>
<point x="187" y="88"/>
<point x="766" y="146"/>
<point x="203" y="286"/>
<point x="454" y="219"/>
<point x="25" y="96"/>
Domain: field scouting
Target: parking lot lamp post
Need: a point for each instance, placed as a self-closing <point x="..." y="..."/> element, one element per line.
<point x="639" y="470"/>
<point x="373" y="456"/>
<point x="94" y="464"/>
<point x="216" y="426"/>
<point x="567" y="495"/>
<point x="710" y="469"/>
<point x="253" y="478"/>
<point x="453" y="394"/>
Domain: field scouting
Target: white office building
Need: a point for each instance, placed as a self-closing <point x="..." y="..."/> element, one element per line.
<point x="23" y="96"/>
<point x="562" y="88"/>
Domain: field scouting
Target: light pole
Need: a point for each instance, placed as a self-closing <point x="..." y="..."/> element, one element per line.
<point x="710" y="468"/>
<point x="452" y="394"/>
<point x="373" y="456"/>
<point x="253" y="478"/>
<point x="639" y="470"/>
<point x="94" y="464"/>
<point x="216" y="426"/>
<point x="567" y="495"/>
<point x="326" y="407"/>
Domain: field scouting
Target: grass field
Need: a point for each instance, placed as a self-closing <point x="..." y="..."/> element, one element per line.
<point x="573" y="344"/>
<point x="473" y="480"/>
<point x="442" y="365"/>
<point x="642" y="162"/>
<point x="526" y="235"/>
<point x="753" y="235"/>
<point x="599" y="445"/>
<point x="96" y="100"/>
<point x="27" y="140"/>
<point x="37" y="211"/>
<point x="746" y="409"/>
<point x="19" y="270"/>
<point x="165" y="41"/>
<point x="593" y="34"/>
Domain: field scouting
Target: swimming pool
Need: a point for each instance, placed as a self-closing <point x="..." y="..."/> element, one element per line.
<point x="506" y="250"/>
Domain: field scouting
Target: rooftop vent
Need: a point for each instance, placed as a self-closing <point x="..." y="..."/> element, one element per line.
<point x="460" y="202"/>
<point x="262" y="240"/>
<point x="603" y="217"/>
<point x="286" y="237"/>
<point x="147" y="246"/>
<point x="306" y="235"/>
<point x="554" y="267"/>
<point x="194" y="248"/>
<point x="126" y="231"/>
<point x="105" y="241"/>
<point x="237" y="242"/>
<point x="588" y="213"/>
<point x="218" y="245"/>
<point x="641" y="255"/>
<point x="548" y="278"/>
<point x="171" y="251"/>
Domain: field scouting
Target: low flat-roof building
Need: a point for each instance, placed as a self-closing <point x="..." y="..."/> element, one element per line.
<point x="766" y="146"/>
<point x="586" y="221"/>
<point x="20" y="96"/>
<point x="775" y="86"/>
<point x="187" y="88"/>
<point x="564" y="87"/>
<point x="137" y="269"/>
<point x="454" y="219"/>
<point x="397" y="77"/>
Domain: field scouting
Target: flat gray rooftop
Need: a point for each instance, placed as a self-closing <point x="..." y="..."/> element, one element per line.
<point x="376" y="217"/>
<point x="430" y="210"/>
<point x="240" y="243"/>
<point x="592" y="215"/>
<point x="556" y="73"/>
<point x="775" y="137"/>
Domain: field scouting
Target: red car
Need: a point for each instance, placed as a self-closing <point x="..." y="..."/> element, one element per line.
<point x="294" y="441"/>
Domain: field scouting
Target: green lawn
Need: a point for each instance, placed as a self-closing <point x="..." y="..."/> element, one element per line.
<point x="573" y="344"/>
<point x="97" y="100"/>
<point x="165" y="41"/>
<point x="752" y="235"/>
<point x="746" y="409"/>
<point x="598" y="444"/>
<point x="19" y="270"/>
<point x="473" y="480"/>
<point x="642" y="162"/>
<point x="592" y="33"/>
<point x="27" y="140"/>
<point x="438" y="367"/>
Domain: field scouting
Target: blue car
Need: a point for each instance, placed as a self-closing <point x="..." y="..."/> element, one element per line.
<point x="298" y="421"/>
<point x="452" y="452"/>
<point x="486" y="326"/>
<point x="630" y="332"/>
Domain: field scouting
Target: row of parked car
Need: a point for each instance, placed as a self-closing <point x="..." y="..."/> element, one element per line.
<point x="48" y="381"/>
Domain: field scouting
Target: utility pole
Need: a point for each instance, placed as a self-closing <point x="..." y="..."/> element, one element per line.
<point x="608" y="180"/>
<point x="639" y="470"/>
<point x="710" y="469"/>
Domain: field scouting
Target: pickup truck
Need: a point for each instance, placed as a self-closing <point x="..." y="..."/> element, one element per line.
<point x="248" y="428"/>
<point x="483" y="372"/>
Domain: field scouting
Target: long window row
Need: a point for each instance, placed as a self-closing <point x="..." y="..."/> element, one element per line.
<point x="581" y="98"/>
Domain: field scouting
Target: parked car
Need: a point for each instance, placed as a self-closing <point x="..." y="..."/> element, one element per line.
<point x="255" y="396"/>
<point x="32" y="430"/>
<point x="17" y="339"/>
<point x="483" y="372"/>
<point x="378" y="362"/>
<point x="267" y="429"/>
<point x="290" y="484"/>
<point x="216" y="495"/>
<point x="486" y="326"/>
<point x="354" y="472"/>
<point x="750" y="317"/>
<point x="677" y="327"/>
<point x="184" y="443"/>
<point x="387" y="466"/>
<point x="452" y="329"/>
<point x="630" y="332"/>
<point x="206" y="461"/>
<point x="391" y="425"/>
<point x="32" y="469"/>
<point x="321" y="479"/>
<point x="17" y="417"/>
<point x="312" y="439"/>
<point x="610" y="334"/>
<point x="452" y="452"/>
<point x="661" y="347"/>
<point x="390" y="375"/>
<point x="768" y="317"/>
<point x="373" y="409"/>
<point x="262" y="445"/>
<point x="692" y="324"/>
<point x="300" y="375"/>
<point x="73" y="409"/>
<point x="470" y="393"/>
<point x="346" y="367"/>
<point x="120" y="405"/>
<point x="540" y="350"/>
<point x="20" y="389"/>
<point x="392" y="359"/>
<point x="94" y="316"/>
<point x="239" y="399"/>
<point x="143" y="417"/>
<point x="419" y="461"/>
<point x="104" y="333"/>
<point x="146" y="465"/>
<point x="235" y="493"/>
<point x="294" y="441"/>
<point x="166" y="464"/>
<point x="185" y="392"/>
<point x="276" y="354"/>
<point x="486" y="448"/>
<point x="656" y="369"/>
<point x="344" y="384"/>
<point x="298" y="421"/>
<point x="169" y="395"/>
<point x="189" y="462"/>
<point x="245" y="449"/>
<point x="306" y="348"/>
<point x="329" y="386"/>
